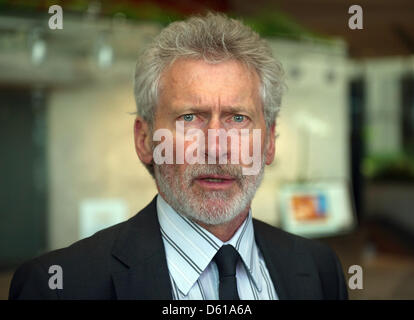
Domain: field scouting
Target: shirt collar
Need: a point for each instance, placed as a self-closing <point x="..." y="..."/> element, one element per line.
<point x="191" y="248"/>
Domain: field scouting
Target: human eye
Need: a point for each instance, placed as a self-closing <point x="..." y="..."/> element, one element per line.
<point x="239" y="118"/>
<point x="188" y="117"/>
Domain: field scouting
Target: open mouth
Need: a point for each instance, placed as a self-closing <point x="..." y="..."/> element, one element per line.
<point x="215" y="181"/>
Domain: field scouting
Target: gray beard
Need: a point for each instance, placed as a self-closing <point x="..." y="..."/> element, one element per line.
<point x="211" y="208"/>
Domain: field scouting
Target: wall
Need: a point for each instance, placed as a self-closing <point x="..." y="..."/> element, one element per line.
<point x="92" y="155"/>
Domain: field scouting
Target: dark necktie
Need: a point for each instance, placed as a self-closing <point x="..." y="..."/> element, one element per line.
<point x="226" y="259"/>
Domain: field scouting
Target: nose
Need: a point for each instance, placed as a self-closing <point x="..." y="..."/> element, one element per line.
<point x="216" y="142"/>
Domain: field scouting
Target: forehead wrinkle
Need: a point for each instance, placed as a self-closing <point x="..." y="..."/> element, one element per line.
<point x="220" y="99"/>
<point x="196" y="103"/>
<point x="188" y="94"/>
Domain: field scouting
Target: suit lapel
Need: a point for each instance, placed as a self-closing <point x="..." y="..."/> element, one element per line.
<point x="293" y="271"/>
<point x="139" y="268"/>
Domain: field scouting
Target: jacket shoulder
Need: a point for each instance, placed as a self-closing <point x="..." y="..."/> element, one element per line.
<point x="83" y="262"/>
<point x="290" y="240"/>
<point x="323" y="257"/>
<point x="86" y="265"/>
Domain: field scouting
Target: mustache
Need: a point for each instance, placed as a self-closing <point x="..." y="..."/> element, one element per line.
<point x="196" y="170"/>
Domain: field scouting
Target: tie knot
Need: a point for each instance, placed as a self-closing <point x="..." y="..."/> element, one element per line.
<point x="226" y="259"/>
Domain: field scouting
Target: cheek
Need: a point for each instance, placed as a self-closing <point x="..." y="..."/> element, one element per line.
<point x="180" y="151"/>
<point x="252" y="142"/>
<point x="173" y="173"/>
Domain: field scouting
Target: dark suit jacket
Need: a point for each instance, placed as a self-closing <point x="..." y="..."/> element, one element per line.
<point x="127" y="261"/>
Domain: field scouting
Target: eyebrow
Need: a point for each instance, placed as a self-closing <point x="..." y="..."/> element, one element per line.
<point x="205" y="109"/>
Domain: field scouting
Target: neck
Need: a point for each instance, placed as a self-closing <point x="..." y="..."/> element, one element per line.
<point x="227" y="230"/>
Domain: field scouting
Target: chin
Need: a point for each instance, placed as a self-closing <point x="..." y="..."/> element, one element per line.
<point x="213" y="212"/>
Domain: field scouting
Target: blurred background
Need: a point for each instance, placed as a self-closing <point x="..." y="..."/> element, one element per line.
<point x="68" y="166"/>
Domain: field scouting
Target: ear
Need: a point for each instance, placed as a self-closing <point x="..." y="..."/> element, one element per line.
<point x="270" y="147"/>
<point x="143" y="140"/>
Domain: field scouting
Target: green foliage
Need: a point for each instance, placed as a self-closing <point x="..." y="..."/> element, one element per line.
<point x="278" y="24"/>
<point x="268" y="23"/>
<point x="389" y="167"/>
<point x="146" y="12"/>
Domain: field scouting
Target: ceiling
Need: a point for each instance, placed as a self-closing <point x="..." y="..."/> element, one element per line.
<point x="388" y="26"/>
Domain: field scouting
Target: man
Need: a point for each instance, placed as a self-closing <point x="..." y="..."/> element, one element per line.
<point x="197" y="239"/>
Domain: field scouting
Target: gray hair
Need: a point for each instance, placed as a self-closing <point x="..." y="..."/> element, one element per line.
<point x="214" y="38"/>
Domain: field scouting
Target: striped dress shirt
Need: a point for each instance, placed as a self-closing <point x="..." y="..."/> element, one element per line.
<point x="190" y="249"/>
